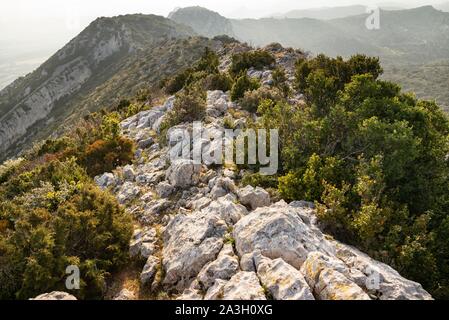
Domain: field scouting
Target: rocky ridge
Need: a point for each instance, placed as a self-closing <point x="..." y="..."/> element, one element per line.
<point x="204" y="236"/>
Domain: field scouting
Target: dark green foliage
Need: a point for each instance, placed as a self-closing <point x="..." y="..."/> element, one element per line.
<point x="280" y="81"/>
<point x="258" y="180"/>
<point x="209" y="62"/>
<point x="218" y="81"/>
<point x="176" y="83"/>
<point x="374" y="160"/>
<point x="206" y="65"/>
<point x="321" y="78"/>
<point x="252" y="99"/>
<point x="242" y="85"/>
<point x="58" y="219"/>
<point x="257" y="59"/>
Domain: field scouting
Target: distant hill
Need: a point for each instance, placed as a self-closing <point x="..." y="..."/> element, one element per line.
<point x="414" y="37"/>
<point x="112" y="55"/>
<point x="205" y="22"/>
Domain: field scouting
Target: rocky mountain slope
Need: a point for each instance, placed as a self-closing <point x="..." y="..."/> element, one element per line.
<point x="406" y="34"/>
<point x="406" y="38"/>
<point x="33" y="106"/>
<point x="209" y="23"/>
<point x="203" y="235"/>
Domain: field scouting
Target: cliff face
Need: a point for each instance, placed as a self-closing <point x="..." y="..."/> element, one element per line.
<point x="46" y="96"/>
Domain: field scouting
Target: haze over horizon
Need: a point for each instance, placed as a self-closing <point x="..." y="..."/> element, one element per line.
<point x="33" y="30"/>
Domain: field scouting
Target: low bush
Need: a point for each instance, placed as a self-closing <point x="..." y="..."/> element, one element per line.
<point x="257" y="59"/>
<point x="105" y="155"/>
<point x="218" y="81"/>
<point x="252" y="99"/>
<point x="59" y="219"/>
<point x="242" y="85"/>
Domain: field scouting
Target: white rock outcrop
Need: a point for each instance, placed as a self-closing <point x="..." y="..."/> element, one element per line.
<point x="183" y="173"/>
<point x="190" y="242"/>
<point x="55" y="295"/>
<point x="254" y="197"/>
<point x="243" y="286"/>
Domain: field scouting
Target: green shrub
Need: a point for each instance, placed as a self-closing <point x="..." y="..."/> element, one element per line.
<point x="63" y="220"/>
<point x="218" y="81"/>
<point x="189" y="106"/>
<point x="105" y="155"/>
<point x="242" y="85"/>
<point x="373" y="159"/>
<point x="177" y="82"/>
<point x="280" y="81"/>
<point x="257" y="59"/>
<point x="206" y="65"/>
<point x="258" y="180"/>
<point x="252" y="99"/>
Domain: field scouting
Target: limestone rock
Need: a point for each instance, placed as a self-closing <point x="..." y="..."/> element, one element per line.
<point x="128" y="173"/>
<point x="283" y="281"/>
<point x="183" y="173"/>
<point x="254" y="197"/>
<point x="190" y="242"/>
<point x="216" y="291"/>
<point x="106" y="180"/>
<point x="223" y="268"/>
<point x="55" y="295"/>
<point x="149" y="270"/>
<point x="143" y="243"/>
<point x="164" y="189"/>
<point x="227" y="209"/>
<point x="125" y="294"/>
<point x="278" y="232"/>
<point x="243" y="286"/>
<point x="128" y="192"/>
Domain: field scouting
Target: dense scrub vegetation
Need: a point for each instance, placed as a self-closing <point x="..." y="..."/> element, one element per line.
<point x="257" y="59"/>
<point x="374" y="160"/>
<point x="52" y="214"/>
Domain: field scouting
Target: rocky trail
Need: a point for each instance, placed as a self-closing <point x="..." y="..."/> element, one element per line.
<point x="204" y="236"/>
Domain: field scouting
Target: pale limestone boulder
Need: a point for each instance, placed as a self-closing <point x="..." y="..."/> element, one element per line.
<point x="128" y="192"/>
<point x="254" y="197"/>
<point x="227" y="208"/>
<point x="216" y="291"/>
<point x="55" y="295"/>
<point x="183" y="173"/>
<point x="224" y="267"/>
<point x="164" y="189"/>
<point x="125" y="294"/>
<point x="190" y="242"/>
<point x="329" y="279"/>
<point x="129" y="173"/>
<point x="283" y="281"/>
<point x="243" y="286"/>
<point x="143" y="243"/>
<point x="378" y="278"/>
<point x="149" y="270"/>
<point x="278" y="232"/>
<point x="106" y="180"/>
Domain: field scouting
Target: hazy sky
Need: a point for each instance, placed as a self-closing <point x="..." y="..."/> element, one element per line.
<point x="13" y="10"/>
<point x="28" y="27"/>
